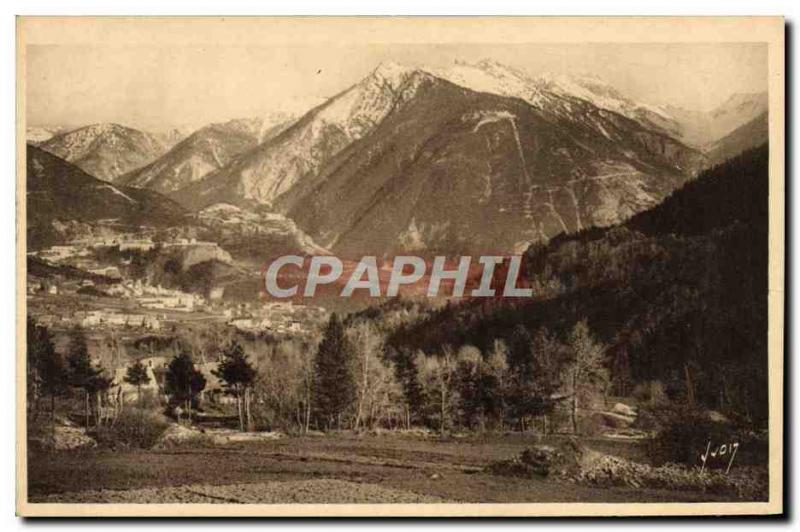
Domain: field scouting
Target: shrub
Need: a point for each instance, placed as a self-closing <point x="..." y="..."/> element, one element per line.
<point x="138" y="428"/>
<point x="684" y="435"/>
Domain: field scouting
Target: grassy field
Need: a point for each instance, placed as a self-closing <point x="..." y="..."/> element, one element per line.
<point x="450" y="470"/>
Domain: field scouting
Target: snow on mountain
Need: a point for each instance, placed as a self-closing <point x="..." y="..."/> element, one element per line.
<point x="170" y="135"/>
<point x="470" y="157"/>
<point x="204" y="151"/>
<point x="37" y="134"/>
<point x="264" y="173"/>
<point x="545" y="90"/>
<point x="105" y="151"/>
<point x="459" y="170"/>
<point x="703" y="129"/>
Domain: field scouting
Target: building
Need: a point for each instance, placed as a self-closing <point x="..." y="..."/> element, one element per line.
<point x="107" y="271"/>
<point x="137" y="245"/>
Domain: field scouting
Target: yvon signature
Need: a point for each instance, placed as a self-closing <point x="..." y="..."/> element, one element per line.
<point x="725" y="449"/>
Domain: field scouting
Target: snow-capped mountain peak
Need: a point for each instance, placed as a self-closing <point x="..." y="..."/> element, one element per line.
<point x="489" y="76"/>
<point x="106" y="150"/>
<point x="394" y="73"/>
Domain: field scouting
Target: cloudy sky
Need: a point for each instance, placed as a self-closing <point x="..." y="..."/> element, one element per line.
<point x="160" y="86"/>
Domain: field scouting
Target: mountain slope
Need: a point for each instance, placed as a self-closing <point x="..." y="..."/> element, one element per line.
<point x="680" y="289"/>
<point x="273" y="167"/>
<point x="702" y="129"/>
<point x="206" y="150"/>
<point x="749" y="135"/>
<point x="408" y="160"/>
<point x="105" y="151"/>
<point x="455" y="170"/>
<point x="542" y="91"/>
<point x="59" y="192"/>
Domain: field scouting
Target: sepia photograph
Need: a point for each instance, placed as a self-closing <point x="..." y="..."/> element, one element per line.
<point x="400" y="266"/>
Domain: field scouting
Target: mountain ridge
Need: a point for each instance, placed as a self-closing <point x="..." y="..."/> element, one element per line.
<point x="105" y="150"/>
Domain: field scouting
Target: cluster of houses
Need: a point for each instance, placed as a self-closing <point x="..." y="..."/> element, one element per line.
<point x="101" y="318"/>
<point x="156" y="297"/>
<point x="85" y="247"/>
<point x="277" y="317"/>
<point x="113" y="318"/>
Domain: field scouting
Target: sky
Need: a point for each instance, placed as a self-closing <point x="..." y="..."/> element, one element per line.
<point x="166" y="86"/>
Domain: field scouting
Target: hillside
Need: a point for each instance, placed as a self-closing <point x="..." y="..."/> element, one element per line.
<point x="105" y="151"/>
<point x="704" y="128"/>
<point x="678" y="290"/>
<point x="204" y="151"/>
<point x="744" y="137"/>
<point x="59" y="192"/>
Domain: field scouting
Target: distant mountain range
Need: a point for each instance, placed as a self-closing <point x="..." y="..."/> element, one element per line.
<point x="204" y="151"/>
<point x="37" y="134"/>
<point x="740" y="139"/>
<point x="406" y="159"/>
<point x="702" y="129"/>
<point x="105" y="151"/>
<point x="472" y="156"/>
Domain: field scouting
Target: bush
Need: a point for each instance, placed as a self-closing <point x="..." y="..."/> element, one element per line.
<point x="605" y="470"/>
<point x="137" y="428"/>
<point x="684" y="434"/>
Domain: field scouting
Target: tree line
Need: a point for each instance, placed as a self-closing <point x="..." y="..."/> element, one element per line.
<point x="349" y="379"/>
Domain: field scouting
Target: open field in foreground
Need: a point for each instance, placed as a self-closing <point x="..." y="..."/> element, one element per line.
<point x="340" y="468"/>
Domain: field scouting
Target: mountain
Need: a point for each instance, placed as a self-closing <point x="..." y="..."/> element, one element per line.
<point x="408" y="160"/>
<point x="170" y="135"/>
<point x="204" y="151"/>
<point x="60" y="194"/>
<point x="737" y="110"/>
<point x="105" y="151"/>
<point x="703" y="129"/>
<point x="454" y="170"/>
<point x="37" y="134"/>
<point x="749" y="135"/>
<point x="676" y="295"/>
<point x="494" y="77"/>
<point x="262" y="174"/>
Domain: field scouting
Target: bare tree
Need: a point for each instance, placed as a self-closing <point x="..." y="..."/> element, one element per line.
<point x="586" y="370"/>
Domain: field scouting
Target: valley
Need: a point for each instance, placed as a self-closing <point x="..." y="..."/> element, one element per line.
<point x="162" y="368"/>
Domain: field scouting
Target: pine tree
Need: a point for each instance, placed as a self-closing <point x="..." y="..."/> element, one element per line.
<point x="136" y="375"/>
<point x="47" y="373"/>
<point x="520" y="357"/>
<point x="534" y="367"/>
<point x="238" y="374"/>
<point x="334" y="385"/>
<point x="183" y="382"/>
